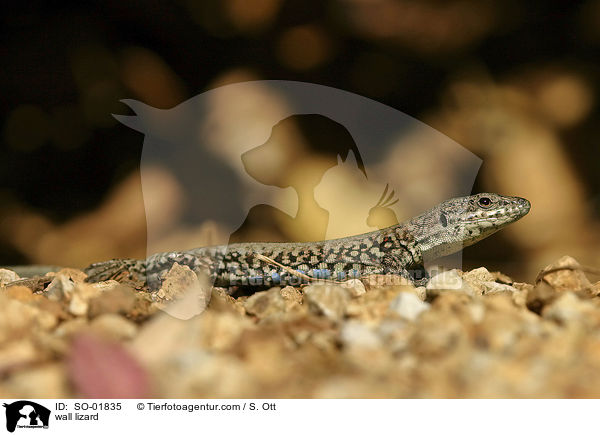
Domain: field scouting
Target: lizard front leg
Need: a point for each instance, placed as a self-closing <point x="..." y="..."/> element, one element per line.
<point x="414" y="273"/>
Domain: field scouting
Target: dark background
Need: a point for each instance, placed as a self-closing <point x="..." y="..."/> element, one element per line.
<point x="66" y="64"/>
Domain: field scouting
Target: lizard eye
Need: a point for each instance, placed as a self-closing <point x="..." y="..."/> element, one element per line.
<point x="484" y="201"/>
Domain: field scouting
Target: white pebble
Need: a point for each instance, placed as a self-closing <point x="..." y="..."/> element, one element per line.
<point x="354" y="287"/>
<point x="357" y="334"/>
<point x="7" y="276"/>
<point x="449" y="280"/>
<point x="408" y="306"/>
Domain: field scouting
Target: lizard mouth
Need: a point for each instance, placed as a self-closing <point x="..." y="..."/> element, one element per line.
<point x="525" y="205"/>
<point x="520" y="207"/>
<point x="514" y="210"/>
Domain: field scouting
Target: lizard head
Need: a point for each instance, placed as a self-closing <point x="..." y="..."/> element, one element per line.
<point x="461" y="222"/>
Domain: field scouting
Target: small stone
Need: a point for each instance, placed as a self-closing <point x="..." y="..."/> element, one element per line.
<point x="421" y="292"/>
<point x="114" y="326"/>
<point x="540" y="296"/>
<point x="565" y="274"/>
<point x="20" y="293"/>
<point x="476" y="312"/>
<point x="18" y="353"/>
<point x="354" y="287"/>
<point x="501" y="278"/>
<point x="52" y="343"/>
<point x="18" y="318"/>
<point x="448" y="280"/>
<point x="567" y="308"/>
<point x="60" y="288"/>
<point x="222" y="301"/>
<point x="291" y="294"/>
<point x="395" y="333"/>
<point x="48" y="380"/>
<point x="521" y="293"/>
<point x="80" y="298"/>
<point x="7" y="276"/>
<point x="346" y="387"/>
<point x="329" y="300"/>
<point x="491" y="287"/>
<point x="118" y="299"/>
<point x="379" y="281"/>
<point x="190" y="293"/>
<point x="438" y="333"/>
<point x="266" y="303"/>
<point x="408" y="306"/>
<point x="478" y="275"/>
<point x="484" y="282"/>
<point x="357" y="334"/>
<point x="374" y="306"/>
<point x="70" y="327"/>
<point x="161" y="338"/>
<point x="105" y="286"/>
<point x="502" y="326"/>
<point x="74" y="275"/>
<point x="78" y="306"/>
<point x="176" y="281"/>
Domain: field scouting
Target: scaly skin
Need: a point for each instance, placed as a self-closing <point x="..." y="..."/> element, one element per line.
<point x="397" y="250"/>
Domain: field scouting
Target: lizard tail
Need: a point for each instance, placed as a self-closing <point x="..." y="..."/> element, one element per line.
<point x="129" y="269"/>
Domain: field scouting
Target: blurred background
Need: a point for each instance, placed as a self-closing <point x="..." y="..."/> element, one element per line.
<point x="515" y="83"/>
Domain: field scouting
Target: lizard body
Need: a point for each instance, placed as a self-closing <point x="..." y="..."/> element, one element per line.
<point x="397" y="250"/>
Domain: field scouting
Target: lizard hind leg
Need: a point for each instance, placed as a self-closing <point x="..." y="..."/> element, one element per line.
<point x="118" y="269"/>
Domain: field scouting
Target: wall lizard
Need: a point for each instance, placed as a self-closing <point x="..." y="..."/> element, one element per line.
<point x="397" y="250"/>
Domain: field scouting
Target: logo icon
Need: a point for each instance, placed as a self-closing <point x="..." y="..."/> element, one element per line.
<point x="26" y="414"/>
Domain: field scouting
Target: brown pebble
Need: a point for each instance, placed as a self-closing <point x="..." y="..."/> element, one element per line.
<point x="565" y="274"/>
<point x="120" y="299"/>
<point x="540" y="296"/>
<point x="19" y="293"/>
